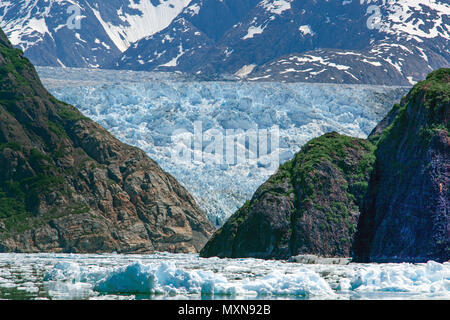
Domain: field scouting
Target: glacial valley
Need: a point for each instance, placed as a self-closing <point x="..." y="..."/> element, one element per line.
<point x="144" y="109"/>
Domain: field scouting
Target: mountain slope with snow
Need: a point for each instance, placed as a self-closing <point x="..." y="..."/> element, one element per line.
<point x="83" y="33"/>
<point x="366" y="41"/>
<point x="189" y="37"/>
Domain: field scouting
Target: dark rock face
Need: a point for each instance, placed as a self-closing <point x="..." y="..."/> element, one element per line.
<point x="405" y="215"/>
<point x="309" y="206"/>
<point x="67" y="185"/>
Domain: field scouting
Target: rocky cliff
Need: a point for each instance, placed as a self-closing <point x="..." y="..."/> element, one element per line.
<point x="309" y="206"/>
<point x="405" y="215"/>
<point x="398" y="178"/>
<point x="67" y="185"/>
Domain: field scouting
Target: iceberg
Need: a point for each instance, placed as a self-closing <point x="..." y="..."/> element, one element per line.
<point x="431" y="278"/>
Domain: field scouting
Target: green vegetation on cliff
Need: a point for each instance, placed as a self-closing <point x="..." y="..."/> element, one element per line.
<point x="309" y="206"/>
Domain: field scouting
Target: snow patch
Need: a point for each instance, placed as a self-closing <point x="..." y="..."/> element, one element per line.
<point x="252" y="31"/>
<point x="374" y="63"/>
<point x="193" y="10"/>
<point x="411" y="80"/>
<point x="174" y="62"/>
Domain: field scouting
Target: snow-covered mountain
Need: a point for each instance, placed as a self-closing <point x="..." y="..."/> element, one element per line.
<point x="183" y="44"/>
<point x="83" y="33"/>
<point x="350" y="41"/>
<point x="346" y="41"/>
<point x="147" y="109"/>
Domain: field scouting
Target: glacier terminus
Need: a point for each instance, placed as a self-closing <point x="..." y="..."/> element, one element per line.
<point x="144" y="109"/>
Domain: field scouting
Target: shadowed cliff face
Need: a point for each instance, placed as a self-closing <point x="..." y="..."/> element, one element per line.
<point x="67" y="185"/>
<point x="309" y="206"/>
<point x="405" y="215"/>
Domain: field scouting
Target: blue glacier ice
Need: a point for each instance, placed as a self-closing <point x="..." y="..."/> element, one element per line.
<point x="168" y="279"/>
<point x="145" y="109"/>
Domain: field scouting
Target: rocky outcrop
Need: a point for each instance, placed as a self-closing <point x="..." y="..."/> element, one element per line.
<point x="309" y="206"/>
<point x="67" y="185"/>
<point x="405" y="215"/>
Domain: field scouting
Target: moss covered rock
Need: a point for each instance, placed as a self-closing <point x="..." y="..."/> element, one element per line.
<point x="405" y="215"/>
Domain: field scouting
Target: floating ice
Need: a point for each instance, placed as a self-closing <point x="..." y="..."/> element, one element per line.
<point x="157" y="279"/>
<point x="186" y="276"/>
<point x="144" y="111"/>
<point x="169" y="280"/>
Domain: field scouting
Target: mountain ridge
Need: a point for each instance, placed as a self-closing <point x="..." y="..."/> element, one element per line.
<point x="366" y="41"/>
<point x="391" y="202"/>
<point x="83" y="33"/>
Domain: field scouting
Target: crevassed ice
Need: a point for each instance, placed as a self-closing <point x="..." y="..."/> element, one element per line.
<point x="144" y="109"/>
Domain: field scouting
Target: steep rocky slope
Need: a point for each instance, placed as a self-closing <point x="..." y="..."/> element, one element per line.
<point x="367" y="41"/>
<point x="405" y="216"/>
<point x="309" y="206"/>
<point x="398" y="179"/>
<point x="67" y="185"/>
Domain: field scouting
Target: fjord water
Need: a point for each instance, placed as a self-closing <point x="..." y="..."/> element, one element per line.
<point x="145" y="109"/>
<point x="186" y="276"/>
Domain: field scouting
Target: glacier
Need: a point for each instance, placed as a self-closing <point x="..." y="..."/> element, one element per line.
<point x="146" y="109"/>
<point x="187" y="276"/>
<point x="83" y="32"/>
